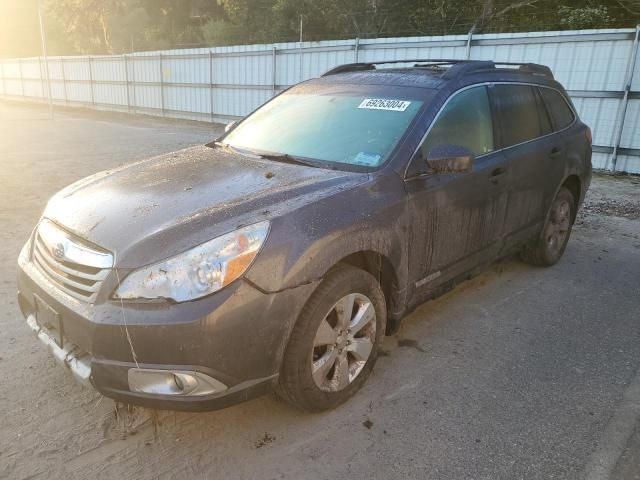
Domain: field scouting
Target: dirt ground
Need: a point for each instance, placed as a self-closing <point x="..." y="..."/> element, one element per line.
<point x="519" y="373"/>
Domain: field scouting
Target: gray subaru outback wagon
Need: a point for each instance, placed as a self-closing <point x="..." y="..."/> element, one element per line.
<point x="278" y="256"/>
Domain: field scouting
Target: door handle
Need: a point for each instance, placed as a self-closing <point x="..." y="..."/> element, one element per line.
<point x="497" y="173"/>
<point x="555" y="151"/>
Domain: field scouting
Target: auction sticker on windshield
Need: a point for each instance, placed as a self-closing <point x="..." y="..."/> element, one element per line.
<point x="384" y="104"/>
<point x="367" y="159"/>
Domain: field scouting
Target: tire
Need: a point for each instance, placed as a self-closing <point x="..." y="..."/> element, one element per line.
<point x="548" y="248"/>
<point x="313" y="375"/>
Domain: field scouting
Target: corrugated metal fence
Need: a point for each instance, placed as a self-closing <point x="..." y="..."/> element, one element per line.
<point x="600" y="68"/>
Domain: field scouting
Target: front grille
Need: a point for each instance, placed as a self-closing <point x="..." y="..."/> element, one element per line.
<point x="68" y="263"/>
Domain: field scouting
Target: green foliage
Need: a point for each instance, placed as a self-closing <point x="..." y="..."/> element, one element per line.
<point x="436" y="17"/>
<point x="631" y="6"/>
<point x="220" y="32"/>
<point x="87" y="24"/>
<point x="584" y="17"/>
<point x="117" y="26"/>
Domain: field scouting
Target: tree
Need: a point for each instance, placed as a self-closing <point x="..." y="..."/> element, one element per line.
<point x="255" y="17"/>
<point x="117" y="26"/>
<point x="631" y="6"/>
<point x="87" y="23"/>
<point x="440" y="17"/>
<point x="489" y="12"/>
<point x="584" y="17"/>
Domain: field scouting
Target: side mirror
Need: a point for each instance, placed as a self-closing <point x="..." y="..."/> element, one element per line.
<point x="230" y="126"/>
<point x="450" y="159"/>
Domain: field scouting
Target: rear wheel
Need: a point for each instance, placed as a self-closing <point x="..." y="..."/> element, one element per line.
<point x="334" y="344"/>
<point x="551" y="243"/>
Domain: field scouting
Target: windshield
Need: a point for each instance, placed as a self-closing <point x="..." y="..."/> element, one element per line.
<point x="353" y="130"/>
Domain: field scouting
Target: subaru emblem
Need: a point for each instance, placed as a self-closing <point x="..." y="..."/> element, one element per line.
<point x="58" y="251"/>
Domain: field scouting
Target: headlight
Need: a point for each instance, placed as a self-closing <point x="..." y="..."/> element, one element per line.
<point x="197" y="272"/>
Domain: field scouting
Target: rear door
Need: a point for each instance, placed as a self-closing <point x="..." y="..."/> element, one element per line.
<point x="524" y="132"/>
<point x="456" y="218"/>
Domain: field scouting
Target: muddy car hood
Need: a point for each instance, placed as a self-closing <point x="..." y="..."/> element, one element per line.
<point x="156" y="208"/>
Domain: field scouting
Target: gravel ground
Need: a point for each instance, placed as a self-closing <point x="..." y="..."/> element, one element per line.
<point x="613" y="198"/>
<point x="519" y="373"/>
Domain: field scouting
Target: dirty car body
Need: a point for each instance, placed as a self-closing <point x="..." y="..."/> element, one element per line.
<point x="416" y="230"/>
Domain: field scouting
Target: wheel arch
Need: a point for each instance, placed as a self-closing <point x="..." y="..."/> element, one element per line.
<point x="380" y="267"/>
<point x="574" y="185"/>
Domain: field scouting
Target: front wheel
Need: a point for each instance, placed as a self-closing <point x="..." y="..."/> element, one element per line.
<point x="550" y="245"/>
<point x="334" y="345"/>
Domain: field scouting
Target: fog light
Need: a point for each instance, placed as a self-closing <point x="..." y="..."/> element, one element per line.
<point x="173" y="382"/>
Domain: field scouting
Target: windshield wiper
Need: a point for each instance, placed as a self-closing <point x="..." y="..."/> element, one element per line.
<point x="217" y="144"/>
<point x="228" y="148"/>
<point x="286" y="158"/>
<point x="276" y="157"/>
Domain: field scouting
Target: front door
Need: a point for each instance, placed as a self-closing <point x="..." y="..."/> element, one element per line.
<point x="456" y="218"/>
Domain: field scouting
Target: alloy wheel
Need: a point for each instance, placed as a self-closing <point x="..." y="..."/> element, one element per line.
<point x="558" y="226"/>
<point x="343" y="342"/>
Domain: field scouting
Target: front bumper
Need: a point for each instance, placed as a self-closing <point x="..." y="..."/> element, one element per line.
<point x="236" y="336"/>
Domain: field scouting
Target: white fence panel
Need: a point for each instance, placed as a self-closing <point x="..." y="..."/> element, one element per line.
<point x="31" y="77"/>
<point x="77" y="79"/>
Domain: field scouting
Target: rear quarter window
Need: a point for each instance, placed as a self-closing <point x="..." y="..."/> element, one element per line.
<point x="560" y="112"/>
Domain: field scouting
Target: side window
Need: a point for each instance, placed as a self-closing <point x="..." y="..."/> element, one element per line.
<point x="517" y="113"/>
<point x="557" y="106"/>
<point x="464" y="121"/>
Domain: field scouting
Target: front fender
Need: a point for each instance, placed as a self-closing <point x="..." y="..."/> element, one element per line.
<point x="305" y="244"/>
